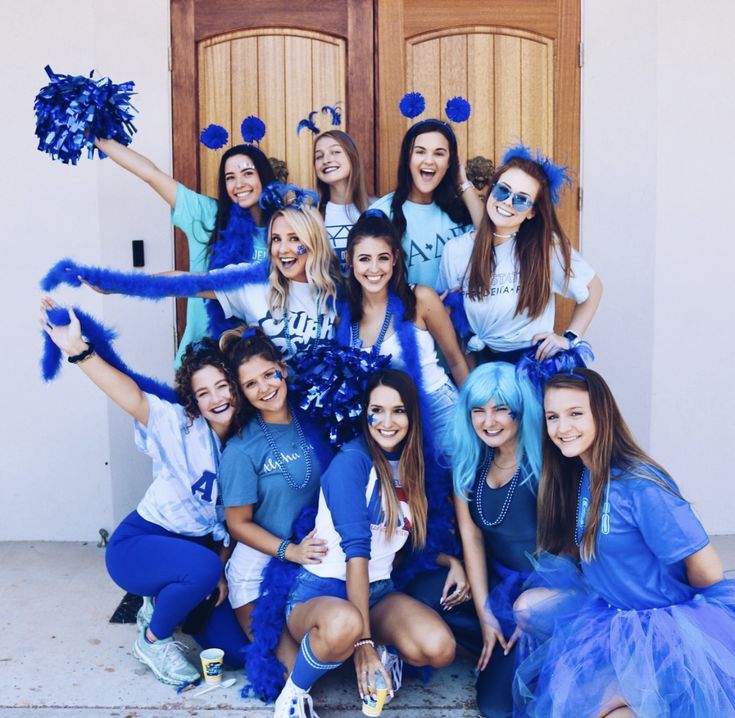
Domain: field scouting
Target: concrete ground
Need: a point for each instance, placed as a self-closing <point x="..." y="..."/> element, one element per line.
<point x="59" y="655"/>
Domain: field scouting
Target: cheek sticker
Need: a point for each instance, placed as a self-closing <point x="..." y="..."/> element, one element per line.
<point x="278" y="374"/>
<point x="372" y="419"/>
<point x="301" y="250"/>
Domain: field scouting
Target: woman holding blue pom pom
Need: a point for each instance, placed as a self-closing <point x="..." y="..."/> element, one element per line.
<point x="166" y="548"/>
<point x="519" y="258"/>
<point x="433" y="200"/>
<point x="222" y="231"/>
<point x="497" y="462"/>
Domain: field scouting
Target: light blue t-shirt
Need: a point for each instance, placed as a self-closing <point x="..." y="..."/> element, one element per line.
<point x="249" y="474"/>
<point x="428" y="229"/>
<point x="195" y="215"/>
<point x="183" y="497"/>
<point x="639" y="564"/>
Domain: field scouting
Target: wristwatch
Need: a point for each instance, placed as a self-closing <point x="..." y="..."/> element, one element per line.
<point x="573" y="337"/>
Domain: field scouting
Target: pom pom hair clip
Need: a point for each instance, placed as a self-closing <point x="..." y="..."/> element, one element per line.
<point x="556" y="175"/>
<point x="413" y="104"/>
<point x="308" y="123"/>
<point x="215" y="137"/>
<point x="278" y="195"/>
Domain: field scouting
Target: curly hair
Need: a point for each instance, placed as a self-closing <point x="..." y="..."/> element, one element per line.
<point x="198" y="355"/>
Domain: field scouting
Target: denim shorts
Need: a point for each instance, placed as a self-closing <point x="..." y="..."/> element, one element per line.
<point x="308" y="585"/>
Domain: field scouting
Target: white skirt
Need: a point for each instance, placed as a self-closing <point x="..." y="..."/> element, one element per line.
<point x="244" y="573"/>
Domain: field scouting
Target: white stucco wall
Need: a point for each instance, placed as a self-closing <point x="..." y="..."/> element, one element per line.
<point x="658" y="114"/>
<point x="67" y="466"/>
<point x="658" y="108"/>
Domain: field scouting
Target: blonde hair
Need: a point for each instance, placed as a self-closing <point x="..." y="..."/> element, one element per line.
<point x="322" y="269"/>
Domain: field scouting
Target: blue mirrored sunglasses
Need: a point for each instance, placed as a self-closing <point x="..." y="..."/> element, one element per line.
<point x="521" y="202"/>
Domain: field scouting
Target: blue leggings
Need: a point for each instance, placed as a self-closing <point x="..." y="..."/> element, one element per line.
<point x="180" y="571"/>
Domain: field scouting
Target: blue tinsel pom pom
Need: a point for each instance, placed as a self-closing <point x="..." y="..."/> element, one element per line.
<point x="252" y="129"/>
<point x="556" y="175"/>
<point x="329" y="382"/>
<point x="72" y="110"/>
<point x="454" y="301"/>
<point x="538" y="372"/>
<point x="458" y="109"/>
<point x="412" y="104"/>
<point x="214" y="137"/>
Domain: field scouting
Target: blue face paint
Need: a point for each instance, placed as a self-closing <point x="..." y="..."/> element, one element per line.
<point x="372" y="419"/>
<point x="301" y="250"/>
<point x="278" y="374"/>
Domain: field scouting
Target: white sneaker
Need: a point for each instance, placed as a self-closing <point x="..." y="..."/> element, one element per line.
<point x="393" y="667"/>
<point x="145" y="613"/>
<point x="294" y="702"/>
<point x="166" y="660"/>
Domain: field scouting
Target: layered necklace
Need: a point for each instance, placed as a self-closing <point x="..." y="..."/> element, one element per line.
<point x="508" y="497"/>
<point x="355" y="340"/>
<point x="278" y="456"/>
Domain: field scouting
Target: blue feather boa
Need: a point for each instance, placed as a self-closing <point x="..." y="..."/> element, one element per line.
<point x="235" y="245"/>
<point x="441" y="536"/>
<point x="538" y="372"/>
<point x="101" y="338"/>
<point x="149" y="286"/>
<point x="454" y="301"/>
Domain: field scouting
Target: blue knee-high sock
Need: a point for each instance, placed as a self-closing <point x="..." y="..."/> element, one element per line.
<point x="308" y="669"/>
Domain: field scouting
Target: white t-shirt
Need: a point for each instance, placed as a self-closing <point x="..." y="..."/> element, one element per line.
<point x="250" y="303"/>
<point x="183" y="497"/>
<point x="493" y="319"/>
<point x="338" y="219"/>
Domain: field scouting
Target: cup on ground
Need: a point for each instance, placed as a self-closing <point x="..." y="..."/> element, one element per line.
<point x="212" y="659"/>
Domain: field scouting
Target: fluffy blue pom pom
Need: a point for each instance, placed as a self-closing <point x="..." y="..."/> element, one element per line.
<point x="334" y="112"/>
<point x="458" y="109"/>
<point x="538" y="372"/>
<point x="71" y="111"/>
<point x="252" y="129"/>
<point x="214" y="137"/>
<point x="412" y="104"/>
<point x="556" y="175"/>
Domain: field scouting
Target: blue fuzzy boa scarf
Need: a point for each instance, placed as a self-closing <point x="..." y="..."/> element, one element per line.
<point x="235" y="245"/>
<point x="441" y="535"/>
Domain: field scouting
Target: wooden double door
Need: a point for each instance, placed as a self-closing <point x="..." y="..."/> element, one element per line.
<point x="516" y="61"/>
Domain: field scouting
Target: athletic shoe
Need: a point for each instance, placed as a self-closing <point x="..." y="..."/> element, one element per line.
<point x="145" y="613"/>
<point x="393" y="667"/>
<point x="293" y="702"/>
<point x="166" y="660"/>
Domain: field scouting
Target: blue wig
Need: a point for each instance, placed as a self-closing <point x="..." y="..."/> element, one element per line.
<point x="496" y="381"/>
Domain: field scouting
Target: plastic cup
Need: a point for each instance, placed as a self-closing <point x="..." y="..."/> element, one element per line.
<point x="374" y="706"/>
<point x="212" y="659"/>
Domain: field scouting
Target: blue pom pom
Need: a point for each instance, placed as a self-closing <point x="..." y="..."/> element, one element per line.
<point x="252" y="129"/>
<point x="335" y="113"/>
<point x="412" y="104"/>
<point x="214" y="137"/>
<point x="308" y="124"/>
<point x="538" y="372"/>
<point x="556" y="175"/>
<point x="454" y="301"/>
<point x="458" y="109"/>
<point x="71" y="111"/>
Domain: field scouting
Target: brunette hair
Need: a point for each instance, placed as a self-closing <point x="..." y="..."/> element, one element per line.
<point x="224" y="203"/>
<point x="538" y="236"/>
<point x="411" y="463"/>
<point x="375" y="223"/>
<point x="240" y="345"/>
<point x="356" y="189"/>
<point x="445" y="195"/>
<point x="322" y="267"/>
<point x="198" y="355"/>
<point x="613" y="448"/>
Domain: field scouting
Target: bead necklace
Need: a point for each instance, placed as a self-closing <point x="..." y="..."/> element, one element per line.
<point x="508" y="497"/>
<point x="355" y="340"/>
<point x="581" y="515"/>
<point x="277" y="455"/>
<point x="287" y="329"/>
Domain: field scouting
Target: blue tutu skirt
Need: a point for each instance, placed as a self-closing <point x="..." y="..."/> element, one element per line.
<point x="583" y="657"/>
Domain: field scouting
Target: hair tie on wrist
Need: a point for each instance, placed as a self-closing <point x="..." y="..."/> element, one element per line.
<point x="86" y="354"/>
<point x="281" y="553"/>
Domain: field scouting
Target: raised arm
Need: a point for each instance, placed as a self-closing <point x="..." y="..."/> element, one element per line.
<point x="141" y="167"/>
<point x="470" y="197"/>
<point x="434" y="316"/>
<point x="118" y="386"/>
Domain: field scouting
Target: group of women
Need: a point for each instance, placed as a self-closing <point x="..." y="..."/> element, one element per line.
<point x="585" y="585"/>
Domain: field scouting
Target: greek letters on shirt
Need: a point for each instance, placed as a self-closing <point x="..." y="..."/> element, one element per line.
<point x="203" y="486"/>
<point x="429" y="251"/>
<point x="337" y="234"/>
<point x="505" y="283"/>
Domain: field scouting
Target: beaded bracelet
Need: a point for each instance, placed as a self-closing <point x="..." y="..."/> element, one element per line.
<point x="364" y="642"/>
<point x="86" y="354"/>
<point x="464" y="187"/>
<point x="281" y="553"/>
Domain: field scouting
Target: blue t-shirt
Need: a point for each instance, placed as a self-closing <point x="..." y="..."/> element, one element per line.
<point x="428" y="229"/>
<point x="249" y="474"/>
<point x="195" y="215"/>
<point x="639" y="563"/>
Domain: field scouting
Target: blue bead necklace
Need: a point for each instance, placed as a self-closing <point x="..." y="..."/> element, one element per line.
<point x="277" y="455"/>
<point x="508" y="497"/>
<point x="287" y="329"/>
<point x="355" y="340"/>
<point x="581" y="513"/>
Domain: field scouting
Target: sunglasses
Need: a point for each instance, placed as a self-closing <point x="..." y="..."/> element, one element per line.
<point x="521" y="202"/>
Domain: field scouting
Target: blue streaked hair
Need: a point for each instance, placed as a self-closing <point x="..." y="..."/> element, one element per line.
<point x="496" y="381"/>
